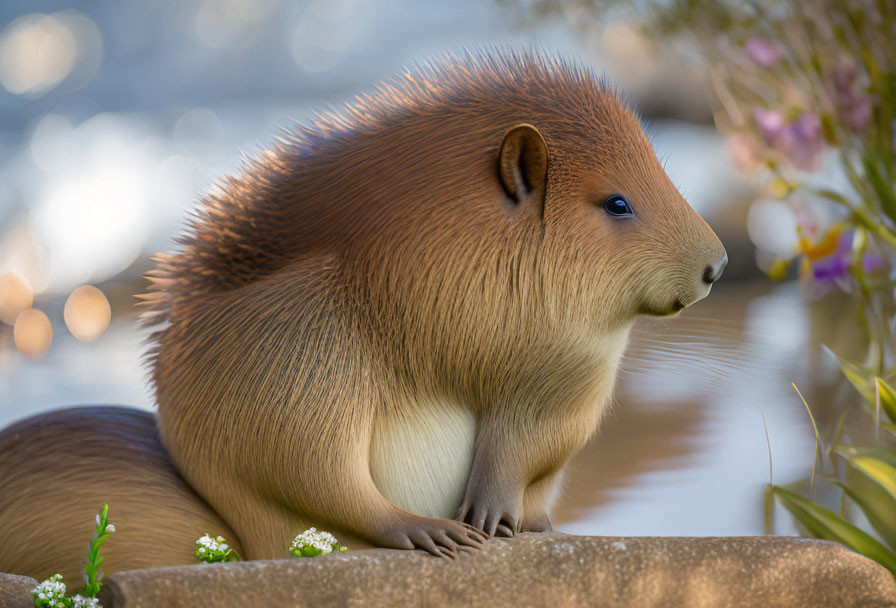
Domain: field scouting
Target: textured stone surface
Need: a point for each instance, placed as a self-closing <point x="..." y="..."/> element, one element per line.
<point x="534" y="570"/>
<point x="15" y="591"/>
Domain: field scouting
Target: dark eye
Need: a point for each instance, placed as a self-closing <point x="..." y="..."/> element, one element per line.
<point x="619" y="206"/>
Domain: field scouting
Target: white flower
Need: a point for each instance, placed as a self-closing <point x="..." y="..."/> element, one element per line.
<point x="110" y="529"/>
<point x="329" y="538"/>
<point x="51" y="589"/>
<point x="772" y="226"/>
<point x="80" y="601"/>
<point x="213" y="544"/>
<point x="322" y="541"/>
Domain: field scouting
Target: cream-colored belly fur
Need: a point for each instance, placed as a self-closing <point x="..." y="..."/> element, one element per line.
<point x="421" y="461"/>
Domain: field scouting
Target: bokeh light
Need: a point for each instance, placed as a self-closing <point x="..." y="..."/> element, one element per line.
<point x="32" y="333"/>
<point x="37" y="52"/>
<point x="232" y="23"/>
<point x="87" y="313"/>
<point x="15" y="296"/>
<point x="92" y="213"/>
<point x="329" y="29"/>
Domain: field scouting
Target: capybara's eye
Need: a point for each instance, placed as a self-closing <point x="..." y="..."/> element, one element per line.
<point x="618" y="205"/>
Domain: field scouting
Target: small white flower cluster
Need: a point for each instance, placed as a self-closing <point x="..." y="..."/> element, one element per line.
<point x="312" y="543"/>
<point x="214" y="550"/>
<point x="50" y="592"/>
<point x="212" y="544"/>
<point x="79" y="601"/>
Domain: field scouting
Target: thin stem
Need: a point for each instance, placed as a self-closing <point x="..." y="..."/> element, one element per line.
<point x="817" y="440"/>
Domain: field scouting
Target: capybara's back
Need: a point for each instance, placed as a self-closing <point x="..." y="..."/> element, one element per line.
<point x="58" y="469"/>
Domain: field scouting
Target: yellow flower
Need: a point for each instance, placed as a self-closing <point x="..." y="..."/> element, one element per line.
<point x="822" y="248"/>
<point x="779" y="188"/>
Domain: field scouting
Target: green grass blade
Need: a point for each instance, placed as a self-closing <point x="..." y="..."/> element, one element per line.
<point x="858" y="376"/>
<point x="823" y="523"/>
<point x="887" y="399"/>
<point x="818" y="454"/>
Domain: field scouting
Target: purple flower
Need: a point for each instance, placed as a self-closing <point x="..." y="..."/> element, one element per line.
<point x="871" y="262"/>
<point x="830" y="268"/>
<point x="801" y="142"/>
<point x="762" y="51"/>
<point x="834" y="266"/>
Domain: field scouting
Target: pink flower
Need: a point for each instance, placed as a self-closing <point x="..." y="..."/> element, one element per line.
<point x="800" y="141"/>
<point x="859" y="114"/>
<point x="745" y="151"/>
<point x="845" y="73"/>
<point x="850" y="96"/>
<point x="770" y="124"/>
<point x="762" y="51"/>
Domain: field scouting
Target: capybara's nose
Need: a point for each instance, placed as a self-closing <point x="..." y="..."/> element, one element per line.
<point x="714" y="271"/>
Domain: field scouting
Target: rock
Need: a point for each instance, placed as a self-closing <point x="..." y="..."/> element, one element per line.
<point x="534" y="570"/>
<point x="15" y="591"/>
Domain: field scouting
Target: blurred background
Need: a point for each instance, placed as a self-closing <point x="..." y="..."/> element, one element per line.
<point x="115" y="117"/>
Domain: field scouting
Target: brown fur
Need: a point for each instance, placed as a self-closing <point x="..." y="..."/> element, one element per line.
<point x="392" y="319"/>
<point x="58" y="469"/>
<point x="370" y="267"/>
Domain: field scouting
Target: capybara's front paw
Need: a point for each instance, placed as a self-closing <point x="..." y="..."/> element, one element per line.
<point x="441" y="537"/>
<point x="491" y="515"/>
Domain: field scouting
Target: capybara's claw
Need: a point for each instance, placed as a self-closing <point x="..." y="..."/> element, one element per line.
<point x="440" y="537"/>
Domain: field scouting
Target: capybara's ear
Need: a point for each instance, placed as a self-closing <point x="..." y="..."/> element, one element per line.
<point x="523" y="164"/>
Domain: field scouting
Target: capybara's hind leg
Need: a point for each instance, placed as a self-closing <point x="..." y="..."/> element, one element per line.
<point x="58" y="469"/>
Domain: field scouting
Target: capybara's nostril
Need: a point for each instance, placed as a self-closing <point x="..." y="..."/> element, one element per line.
<point x="714" y="271"/>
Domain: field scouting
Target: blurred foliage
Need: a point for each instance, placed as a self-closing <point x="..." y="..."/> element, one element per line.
<point x="868" y="478"/>
<point x="805" y="91"/>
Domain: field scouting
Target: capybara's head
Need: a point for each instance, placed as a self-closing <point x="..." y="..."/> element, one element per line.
<point x="620" y="232"/>
<point x="529" y="186"/>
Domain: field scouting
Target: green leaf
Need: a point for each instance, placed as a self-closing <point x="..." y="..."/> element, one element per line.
<point x="887" y="398"/>
<point x="874" y="504"/>
<point x="871" y="485"/>
<point x="832" y="196"/>
<point x="858" y="376"/>
<point x="823" y="523"/>
<point x="851" y="452"/>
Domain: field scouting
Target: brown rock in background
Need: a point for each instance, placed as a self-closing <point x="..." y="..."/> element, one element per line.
<point x="15" y="591"/>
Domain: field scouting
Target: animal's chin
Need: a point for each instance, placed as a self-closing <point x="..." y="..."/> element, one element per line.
<point x="678" y="304"/>
<point x="669" y="311"/>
